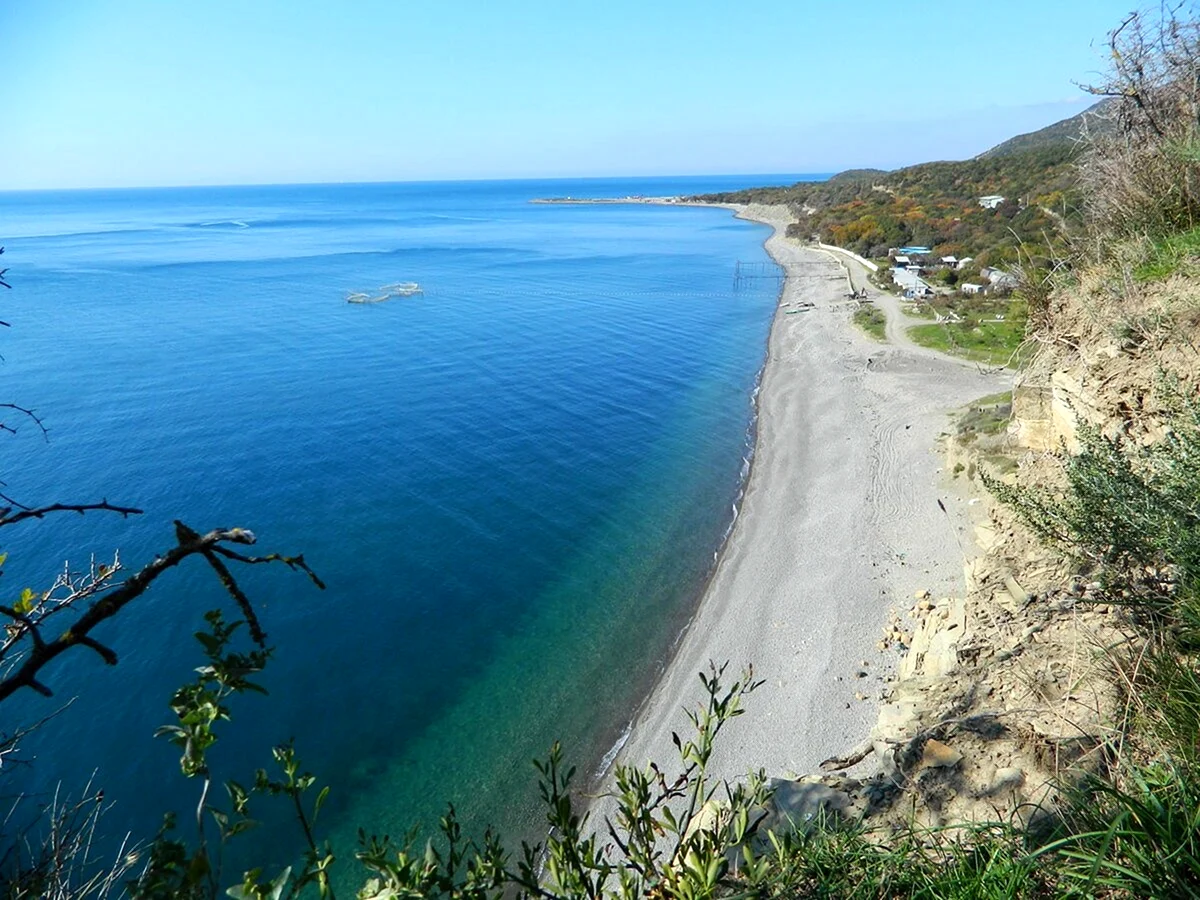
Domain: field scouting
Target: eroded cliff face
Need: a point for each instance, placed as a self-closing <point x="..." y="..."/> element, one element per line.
<point x="1116" y="391"/>
<point x="1045" y="411"/>
<point x="1111" y="347"/>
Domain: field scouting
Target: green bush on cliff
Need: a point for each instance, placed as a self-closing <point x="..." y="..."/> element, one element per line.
<point x="1133" y="512"/>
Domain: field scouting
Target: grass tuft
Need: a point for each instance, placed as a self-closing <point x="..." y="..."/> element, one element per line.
<point x="1168" y="254"/>
<point x="872" y="320"/>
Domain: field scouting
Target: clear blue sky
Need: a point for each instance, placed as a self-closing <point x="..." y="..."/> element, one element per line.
<point x="157" y="92"/>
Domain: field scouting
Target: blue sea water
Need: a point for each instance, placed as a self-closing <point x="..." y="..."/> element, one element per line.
<point x="513" y="484"/>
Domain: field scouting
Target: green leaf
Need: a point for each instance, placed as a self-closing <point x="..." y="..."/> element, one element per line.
<point x="25" y="604"/>
<point x="238" y="827"/>
<point x="320" y="801"/>
<point x="211" y="644"/>
<point x="280" y="883"/>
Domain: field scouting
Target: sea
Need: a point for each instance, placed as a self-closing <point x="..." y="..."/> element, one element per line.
<point x="514" y="484"/>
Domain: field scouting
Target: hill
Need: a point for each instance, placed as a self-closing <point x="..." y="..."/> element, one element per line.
<point x="1095" y="119"/>
<point x="938" y="204"/>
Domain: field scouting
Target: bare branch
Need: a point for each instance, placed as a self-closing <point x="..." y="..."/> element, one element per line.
<point x="68" y="590"/>
<point x="292" y="562"/>
<point x="113" y="600"/>
<point x="9" y="743"/>
<point x="25" y="412"/>
<point x="1143" y="174"/>
<point x="81" y="508"/>
<point x="227" y="581"/>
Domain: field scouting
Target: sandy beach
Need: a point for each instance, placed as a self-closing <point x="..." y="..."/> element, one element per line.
<point x="840" y="523"/>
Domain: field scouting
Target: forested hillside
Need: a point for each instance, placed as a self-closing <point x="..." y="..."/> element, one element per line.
<point x="937" y="204"/>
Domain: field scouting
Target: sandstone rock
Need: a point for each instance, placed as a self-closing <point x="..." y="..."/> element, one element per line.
<point x="937" y="755"/>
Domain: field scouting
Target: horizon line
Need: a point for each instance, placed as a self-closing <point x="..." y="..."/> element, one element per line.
<point x="801" y="176"/>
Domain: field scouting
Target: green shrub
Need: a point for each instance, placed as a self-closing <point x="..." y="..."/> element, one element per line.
<point x="1129" y="509"/>
<point x="872" y="320"/>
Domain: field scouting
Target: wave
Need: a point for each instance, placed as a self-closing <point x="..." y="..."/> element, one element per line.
<point x="610" y="756"/>
<point x="95" y="232"/>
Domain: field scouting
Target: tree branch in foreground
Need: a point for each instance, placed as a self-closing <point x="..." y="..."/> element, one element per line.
<point x="41" y="511"/>
<point x="28" y="413"/>
<point x="25" y="621"/>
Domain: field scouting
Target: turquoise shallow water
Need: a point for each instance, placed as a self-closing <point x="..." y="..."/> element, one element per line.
<point x="513" y="484"/>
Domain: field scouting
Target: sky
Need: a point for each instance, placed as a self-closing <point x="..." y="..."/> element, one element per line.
<point x="116" y="93"/>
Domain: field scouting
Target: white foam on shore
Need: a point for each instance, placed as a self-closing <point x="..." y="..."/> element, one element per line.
<point x="610" y="757"/>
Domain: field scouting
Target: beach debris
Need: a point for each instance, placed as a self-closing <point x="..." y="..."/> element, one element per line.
<point x="854" y="757"/>
<point x="894" y="634"/>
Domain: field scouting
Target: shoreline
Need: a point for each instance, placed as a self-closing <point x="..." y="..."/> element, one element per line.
<point x="843" y="478"/>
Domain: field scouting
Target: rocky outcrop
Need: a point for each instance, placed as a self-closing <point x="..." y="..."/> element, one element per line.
<point x="1047" y="410"/>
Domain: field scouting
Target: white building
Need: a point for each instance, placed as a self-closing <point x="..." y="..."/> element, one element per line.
<point x="969" y="288"/>
<point x="998" y="279"/>
<point x="991" y="201"/>
<point x="911" y="281"/>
